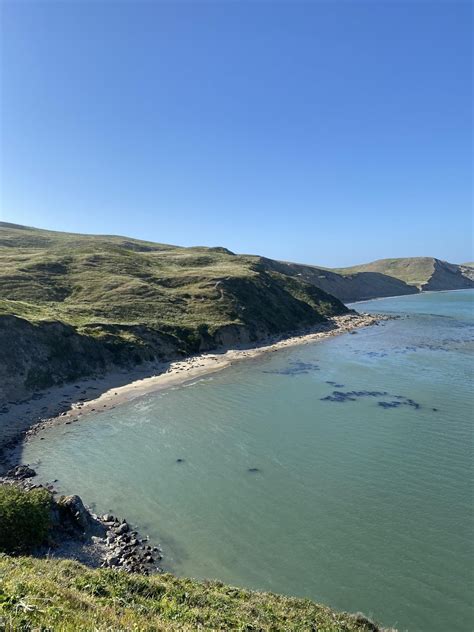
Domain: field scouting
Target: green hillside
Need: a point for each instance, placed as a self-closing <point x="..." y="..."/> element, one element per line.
<point x="348" y="288"/>
<point x="64" y="596"/>
<point x="415" y="271"/>
<point x="75" y="304"/>
<point x="82" y="279"/>
<point x="424" y="273"/>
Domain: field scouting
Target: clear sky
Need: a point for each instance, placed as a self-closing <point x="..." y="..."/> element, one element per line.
<point x="322" y="132"/>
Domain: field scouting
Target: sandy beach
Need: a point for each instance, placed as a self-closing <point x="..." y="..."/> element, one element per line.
<point x="68" y="403"/>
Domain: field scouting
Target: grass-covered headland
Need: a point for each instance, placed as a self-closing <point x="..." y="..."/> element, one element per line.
<point x="74" y="305"/>
<point x="61" y="595"/>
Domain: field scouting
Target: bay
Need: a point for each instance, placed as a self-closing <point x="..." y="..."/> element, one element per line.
<point x="339" y="471"/>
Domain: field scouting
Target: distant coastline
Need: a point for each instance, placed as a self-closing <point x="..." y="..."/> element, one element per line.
<point x="382" y="298"/>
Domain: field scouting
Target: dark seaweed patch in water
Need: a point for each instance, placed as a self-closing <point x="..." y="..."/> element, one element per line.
<point x="390" y="404"/>
<point x="407" y="349"/>
<point x="384" y="354"/>
<point x="334" y="384"/>
<point x="352" y="396"/>
<point x="375" y="354"/>
<point x="401" y="401"/>
<point x="296" y="367"/>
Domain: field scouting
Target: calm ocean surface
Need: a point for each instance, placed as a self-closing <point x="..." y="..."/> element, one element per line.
<point x="363" y="501"/>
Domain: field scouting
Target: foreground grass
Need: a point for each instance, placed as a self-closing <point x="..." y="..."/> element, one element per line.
<point x="62" y="595"/>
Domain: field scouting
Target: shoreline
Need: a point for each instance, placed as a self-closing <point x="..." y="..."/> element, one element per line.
<point x="382" y="298"/>
<point x="104" y="540"/>
<point x="67" y="403"/>
<point x="78" y="533"/>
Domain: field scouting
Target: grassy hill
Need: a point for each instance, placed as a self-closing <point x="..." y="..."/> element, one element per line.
<point x="81" y="279"/>
<point x="386" y="277"/>
<point x="348" y="288"/>
<point x="68" y="597"/>
<point x="414" y="271"/>
<point x="74" y="304"/>
<point x="424" y="273"/>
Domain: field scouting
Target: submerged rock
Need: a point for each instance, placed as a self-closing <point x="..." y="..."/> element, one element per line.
<point x="21" y="472"/>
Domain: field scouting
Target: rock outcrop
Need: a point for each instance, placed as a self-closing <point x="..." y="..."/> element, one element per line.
<point x="77" y="533"/>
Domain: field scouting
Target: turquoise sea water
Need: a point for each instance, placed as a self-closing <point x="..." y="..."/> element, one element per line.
<point x="363" y="501"/>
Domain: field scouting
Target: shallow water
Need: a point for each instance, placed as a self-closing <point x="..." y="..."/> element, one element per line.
<point x="362" y="501"/>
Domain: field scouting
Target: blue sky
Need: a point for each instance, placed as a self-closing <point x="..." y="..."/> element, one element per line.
<point x="322" y="132"/>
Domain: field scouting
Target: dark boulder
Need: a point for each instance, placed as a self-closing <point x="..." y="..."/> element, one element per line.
<point x="21" y="472"/>
<point x="74" y="508"/>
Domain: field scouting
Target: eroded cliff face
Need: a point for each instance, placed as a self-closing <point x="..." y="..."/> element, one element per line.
<point x="36" y="356"/>
<point x="447" y="276"/>
<point x="387" y="277"/>
<point x="359" y="286"/>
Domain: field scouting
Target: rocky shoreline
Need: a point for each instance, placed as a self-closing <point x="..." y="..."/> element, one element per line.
<point x="77" y="533"/>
